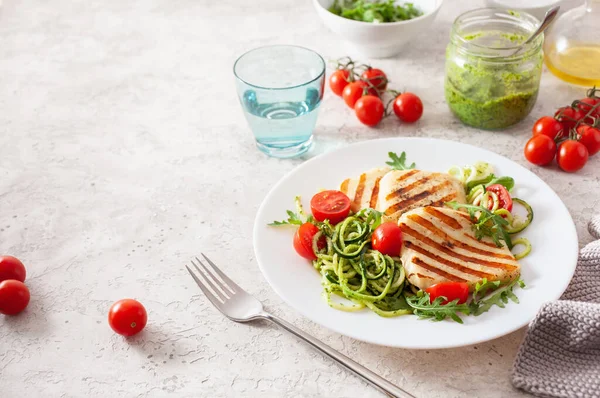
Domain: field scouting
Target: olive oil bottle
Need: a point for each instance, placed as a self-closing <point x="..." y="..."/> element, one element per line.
<point x="572" y="47"/>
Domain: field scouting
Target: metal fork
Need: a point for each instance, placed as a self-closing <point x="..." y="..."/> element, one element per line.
<point x="239" y="306"/>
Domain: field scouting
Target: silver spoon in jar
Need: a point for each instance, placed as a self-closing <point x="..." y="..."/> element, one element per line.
<point x="548" y="18"/>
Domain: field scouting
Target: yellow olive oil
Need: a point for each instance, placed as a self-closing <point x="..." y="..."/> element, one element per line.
<point x="577" y="64"/>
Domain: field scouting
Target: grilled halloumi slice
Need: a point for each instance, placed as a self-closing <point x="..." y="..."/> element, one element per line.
<point x="364" y="190"/>
<point x="440" y="246"/>
<point x="404" y="190"/>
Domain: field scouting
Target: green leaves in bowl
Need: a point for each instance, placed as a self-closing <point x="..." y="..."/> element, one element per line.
<point x="375" y="11"/>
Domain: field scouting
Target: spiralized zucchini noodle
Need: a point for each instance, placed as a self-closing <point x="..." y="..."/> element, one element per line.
<point x="475" y="178"/>
<point x="351" y="270"/>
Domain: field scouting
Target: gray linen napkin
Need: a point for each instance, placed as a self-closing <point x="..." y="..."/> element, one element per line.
<point x="560" y="355"/>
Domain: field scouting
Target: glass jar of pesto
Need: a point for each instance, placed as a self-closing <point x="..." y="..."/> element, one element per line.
<point x="487" y="85"/>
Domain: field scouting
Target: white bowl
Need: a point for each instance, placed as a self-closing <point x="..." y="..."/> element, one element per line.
<point x="378" y="40"/>
<point x="537" y="8"/>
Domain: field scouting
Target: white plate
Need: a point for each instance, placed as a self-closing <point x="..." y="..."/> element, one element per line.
<point x="546" y="271"/>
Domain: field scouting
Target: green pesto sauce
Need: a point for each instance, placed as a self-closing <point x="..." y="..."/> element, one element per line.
<point x="491" y="95"/>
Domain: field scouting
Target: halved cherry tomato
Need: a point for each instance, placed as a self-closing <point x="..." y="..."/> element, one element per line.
<point x="127" y="317"/>
<point x="376" y="77"/>
<point x="338" y="81"/>
<point x="353" y="91"/>
<point x="387" y="239"/>
<point x="12" y="268"/>
<point x="549" y="126"/>
<point x="369" y="110"/>
<point x="450" y="290"/>
<point x="504" y="199"/>
<point x="330" y="205"/>
<point x="408" y="107"/>
<point x="14" y="297"/>
<point x="540" y="149"/>
<point x="590" y="137"/>
<point x="303" y="239"/>
<point x="572" y="156"/>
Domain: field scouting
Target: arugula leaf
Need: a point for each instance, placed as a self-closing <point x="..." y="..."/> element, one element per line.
<point x="436" y="311"/>
<point x="499" y="297"/>
<point x="399" y="162"/>
<point x="293" y="219"/>
<point x="486" y="223"/>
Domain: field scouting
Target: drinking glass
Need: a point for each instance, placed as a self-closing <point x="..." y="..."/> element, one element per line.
<point x="280" y="88"/>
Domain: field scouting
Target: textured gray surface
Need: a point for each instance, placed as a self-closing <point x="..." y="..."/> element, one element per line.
<point x="560" y="356"/>
<point x="125" y="152"/>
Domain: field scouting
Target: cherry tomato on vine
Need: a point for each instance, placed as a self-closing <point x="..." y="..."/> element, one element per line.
<point x="12" y="268"/>
<point x="540" y="149"/>
<point x="590" y="137"/>
<point x="14" y="297"/>
<point x="387" y="239"/>
<point x="376" y="77"/>
<point x="569" y="117"/>
<point x="353" y="91"/>
<point x="549" y="126"/>
<point x="338" y="81"/>
<point x="303" y="239"/>
<point x="504" y="199"/>
<point x="587" y="103"/>
<point x="450" y="290"/>
<point x="127" y="317"/>
<point x="369" y="110"/>
<point x="408" y="107"/>
<point x="330" y="205"/>
<point x="572" y="156"/>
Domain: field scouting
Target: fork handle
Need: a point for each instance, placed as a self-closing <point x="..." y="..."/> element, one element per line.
<point x="377" y="381"/>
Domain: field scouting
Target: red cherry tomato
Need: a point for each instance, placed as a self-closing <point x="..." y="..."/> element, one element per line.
<point x="14" y="297"/>
<point x="590" y="137"/>
<point x="330" y="205"/>
<point x="338" y="81"/>
<point x="12" y="268"/>
<point x="369" y="110"/>
<point x="353" y="91"/>
<point x="587" y="103"/>
<point x="127" y="317"/>
<point x="568" y="117"/>
<point x="540" y="150"/>
<point x="387" y="239"/>
<point x="549" y="126"/>
<point x="303" y="239"/>
<point x="572" y="156"/>
<point x="376" y="77"/>
<point x="504" y="199"/>
<point x="450" y="290"/>
<point x="408" y="107"/>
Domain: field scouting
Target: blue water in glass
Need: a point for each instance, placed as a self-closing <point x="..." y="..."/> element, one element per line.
<point x="280" y="89"/>
<point x="282" y="124"/>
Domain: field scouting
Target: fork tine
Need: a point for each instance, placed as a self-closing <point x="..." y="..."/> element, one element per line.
<point x="211" y="281"/>
<point x="233" y="287"/>
<point x="216" y="301"/>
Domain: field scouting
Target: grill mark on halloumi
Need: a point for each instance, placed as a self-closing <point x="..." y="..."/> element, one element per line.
<point x="448" y="263"/>
<point x="438" y="271"/>
<point x="443" y="218"/>
<point x="360" y="189"/>
<point x="482" y="242"/>
<point x="401" y="191"/>
<point x="416" y="198"/>
<point x="375" y="194"/>
<point x="434" y="230"/>
<point x="430" y="242"/>
<point x="442" y="201"/>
